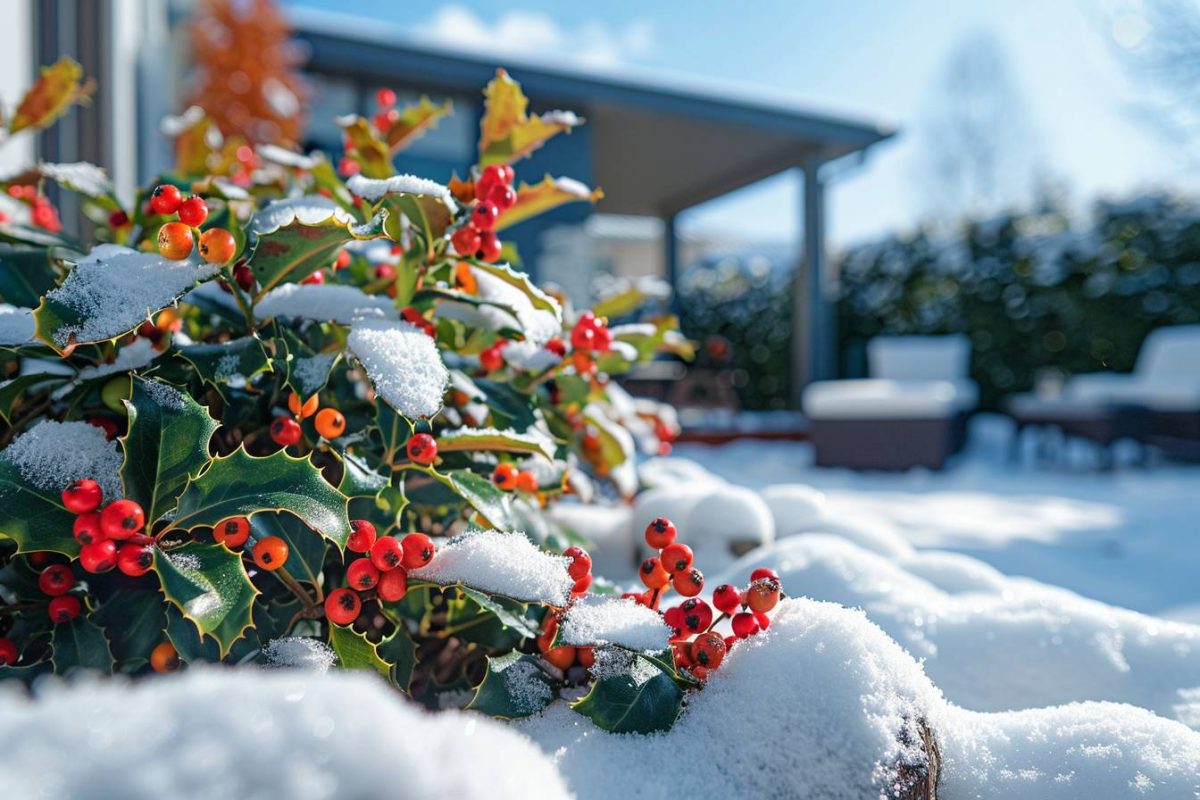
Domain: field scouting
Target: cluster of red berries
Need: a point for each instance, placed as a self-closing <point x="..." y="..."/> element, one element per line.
<point x="269" y="553"/>
<point x="387" y="115"/>
<point x="509" y="478"/>
<point x="589" y="337"/>
<point x="108" y="537"/>
<point x="383" y="567"/>
<point x="493" y="195"/>
<point x="42" y="212"/>
<point x="564" y="656"/>
<point x="329" y="422"/>
<point x="176" y="239"/>
<point x="413" y="316"/>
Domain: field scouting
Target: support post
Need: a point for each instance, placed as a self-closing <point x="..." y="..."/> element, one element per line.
<point x="810" y="335"/>
<point x="671" y="258"/>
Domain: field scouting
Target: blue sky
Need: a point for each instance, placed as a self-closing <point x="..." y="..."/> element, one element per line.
<point x="870" y="58"/>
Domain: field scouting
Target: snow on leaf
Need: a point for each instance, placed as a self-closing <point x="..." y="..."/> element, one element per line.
<point x="403" y="364"/>
<point x="52" y="454"/>
<point x="299" y="652"/>
<point x="284" y="157"/>
<point x="16" y="325"/>
<point x="531" y="441"/>
<point x="596" y="620"/>
<point x="323" y="302"/>
<point x="80" y="176"/>
<point x="539" y="314"/>
<point x="111" y="291"/>
<point x="308" y="210"/>
<point x="500" y="563"/>
<point x="373" y="189"/>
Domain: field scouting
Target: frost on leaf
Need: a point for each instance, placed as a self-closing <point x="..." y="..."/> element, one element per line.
<point x="496" y="562"/>
<point x="111" y="291"/>
<point x="309" y="210"/>
<point x="596" y="620"/>
<point x="322" y="302"/>
<point x="51" y="455"/>
<point x="79" y="176"/>
<point x="403" y="364"/>
<point x="16" y="325"/>
<point x="299" y="652"/>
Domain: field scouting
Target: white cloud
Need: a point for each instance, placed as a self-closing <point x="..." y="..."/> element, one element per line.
<point x="533" y="33"/>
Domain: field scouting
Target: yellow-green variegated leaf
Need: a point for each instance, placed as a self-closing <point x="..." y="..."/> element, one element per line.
<point x="507" y="132"/>
<point x="541" y="197"/>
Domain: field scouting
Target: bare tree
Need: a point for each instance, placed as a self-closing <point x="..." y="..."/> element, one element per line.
<point x="978" y="152"/>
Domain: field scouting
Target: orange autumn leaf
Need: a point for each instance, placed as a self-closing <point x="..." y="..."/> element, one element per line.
<point x="507" y="133"/>
<point x="57" y="88"/>
<point x="541" y="197"/>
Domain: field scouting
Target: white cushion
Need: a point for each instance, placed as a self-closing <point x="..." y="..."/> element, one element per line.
<point x="1170" y="355"/>
<point x="903" y="358"/>
<point x="1158" y="394"/>
<point x="881" y="399"/>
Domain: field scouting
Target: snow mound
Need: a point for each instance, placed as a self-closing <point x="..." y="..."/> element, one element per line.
<point x="715" y="520"/>
<point x="403" y="364"/>
<point x="1024" y="645"/>
<point x="608" y="533"/>
<point x="16" y="325"/>
<point x="795" y="507"/>
<point x="50" y="455"/>
<point x="274" y="735"/>
<point x="114" y="289"/>
<point x="308" y="210"/>
<point x="299" y="652"/>
<point x="343" y="304"/>
<point x="501" y="563"/>
<point x="597" y="620"/>
<point x="825" y="705"/>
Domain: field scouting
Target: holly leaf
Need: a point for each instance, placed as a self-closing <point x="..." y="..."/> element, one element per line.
<point x="26" y="273"/>
<point x="232" y="362"/>
<point x="355" y="652"/>
<point x="209" y="586"/>
<point x="32" y="517"/>
<point x="541" y="197"/>
<point x="426" y="204"/>
<point x="13" y="391"/>
<point x="413" y="121"/>
<point x="492" y="504"/>
<point x="297" y="237"/>
<point x="509" y="617"/>
<point x="645" y="700"/>
<point x="58" y="87"/>
<point x="400" y="651"/>
<point x="242" y="485"/>
<point x="306" y="548"/>
<point x="509" y="441"/>
<point x="80" y="644"/>
<point x="514" y="687"/>
<point x="506" y="132"/>
<point x="167" y="444"/>
<point x="133" y="620"/>
<point x="371" y="153"/>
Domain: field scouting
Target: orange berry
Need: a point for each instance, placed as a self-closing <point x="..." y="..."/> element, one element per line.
<point x="217" y="246"/>
<point x="271" y="553"/>
<point x="305" y="409"/>
<point x="708" y="649"/>
<point x="526" y="482"/>
<point x="330" y="423"/>
<point x="164" y="658"/>
<point x="763" y="595"/>
<point x="676" y="557"/>
<point x="660" y="532"/>
<point x="561" y="657"/>
<point x="653" y="574"/>
<point x="688" y="583"/>
<point x="175" y="241"/>
<point x="232" y="531"/>
<point x="586" y="656"/>
<point x="504" y="476"/>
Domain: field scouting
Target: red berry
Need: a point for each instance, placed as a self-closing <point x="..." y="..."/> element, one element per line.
<point x="385" y="272"/>
<point x="763" y="595"/>
<point x="688" y="583"/>
<point x="56" y="579"/>
<point x="244" y="277"/>
<point x="682" y="653"/>
<point x="556" y="346"/>
<point x="285" y="431"/>
<point x="762" y="619"/>
<point x="87" y="528"/>
<point x="676" y="557"/>
<point x="697" y="615"/>
<point x="465" y="241"/>
<point x="418" y="550"/>
<point x="121" y="519"/>
<point x="316" y="279"/>
<point x="708" y="650"/>
<point x="583" y="338"/>
<point x="82" y="496"/>
<point x="135" y="560"/>
<point x="64" y="609"/>
<point x="98" y="556"/>
<point x="764" y="572"/>
<point x="744" y="624"/>
<point x="393" y="585"/>
<point x="484" y="216"/>
<point x="673" y="616"/>
<point x="581" y="585"/>
<point x="422" y="449"/>
<point x="504" y="475"/>
<point x="386" y="553"/>
<point x="165" y="199"/>
<point x="193" y="211"/>
<point x="362" y="575"/>
<point x="118" y="219"/>
<point x="175" y="241"/>
<point x="232" y="531"/>
<point x="489" y="246"/>
<point x="342" y="261"/>
<point x="502" y="197"/>
<point x="506" y="173"/>
<point x="526" y="481"/>
<point x="8" y="652"/>
<point x="581" y="562"/>
<point x="342" y="606"/>
<point x="726" y="598"/>
<point x="660" y="533"/>
<point x="385" y="119"/>
<point x="491" y="359"/>
<point x="652" y="574"/>
<point x="362" y="536"/>
<point x="271" y="553"/>
<point x="385" y="98"/>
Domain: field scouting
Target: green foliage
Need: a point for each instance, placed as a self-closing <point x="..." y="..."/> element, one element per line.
<point x="633" y="702"/>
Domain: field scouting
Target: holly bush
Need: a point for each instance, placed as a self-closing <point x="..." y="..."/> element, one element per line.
<point x="282" y="408"/>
